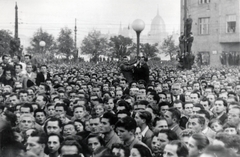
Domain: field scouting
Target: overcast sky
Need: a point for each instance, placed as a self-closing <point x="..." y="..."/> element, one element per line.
<point x="103" y="15"/>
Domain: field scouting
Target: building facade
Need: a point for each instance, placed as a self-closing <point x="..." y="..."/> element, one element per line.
<point x="215" y="28"/>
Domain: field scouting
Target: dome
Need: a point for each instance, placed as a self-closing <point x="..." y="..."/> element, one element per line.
<point x="158" y="30"/>
<point x="157" y="25"/>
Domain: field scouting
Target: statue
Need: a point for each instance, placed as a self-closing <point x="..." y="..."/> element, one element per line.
<point x="189" y="41"/>
<point x="181" y="43"/>
<point x="185" y="57"/>
<point x="188" y="26"/>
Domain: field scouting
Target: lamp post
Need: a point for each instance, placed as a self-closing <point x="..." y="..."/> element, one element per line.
<point x="138" y="25"/>
<point x="42" y="45"/>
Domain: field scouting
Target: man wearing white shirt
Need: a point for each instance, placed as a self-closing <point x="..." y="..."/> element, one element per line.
<point x="30" y="76"/>
<point x="17" y="60"/>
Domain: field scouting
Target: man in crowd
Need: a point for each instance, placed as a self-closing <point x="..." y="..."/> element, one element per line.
<point x="173" y="116"/>
<point x="36" y="144"/>
<point x="125" y="129"/>
<point x="108" y="121"/>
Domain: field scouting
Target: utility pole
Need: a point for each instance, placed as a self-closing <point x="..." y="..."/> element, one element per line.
<point x="76" y="50"/>
<point x="75" y="33"/>
<point x="185" y="28"/>
<point x="15" y="44"/>
<point x="16" y="22"/>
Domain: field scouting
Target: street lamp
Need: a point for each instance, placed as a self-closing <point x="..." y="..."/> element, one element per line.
<point x="42" y="44"/>
<point x="138" y="25"/>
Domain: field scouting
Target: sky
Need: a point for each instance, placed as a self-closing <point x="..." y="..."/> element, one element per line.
<point x="103" y="15"/>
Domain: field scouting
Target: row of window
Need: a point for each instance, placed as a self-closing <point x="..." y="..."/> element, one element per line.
<point x="203" y="1"/>
<point x="199" y="1"/>
<point x="230" y="24"/>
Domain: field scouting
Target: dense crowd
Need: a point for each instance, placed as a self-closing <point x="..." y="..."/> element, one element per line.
<point x="128" y="108"/>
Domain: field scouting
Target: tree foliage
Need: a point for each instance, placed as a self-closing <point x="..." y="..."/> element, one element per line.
<point x="119" y="46"/>
<point x="66" y="42"/>
<point x="149" y="50"/>
<point x="168" y="47"/>
<point x="39" y="36"/>
<point x="5" y="39"/>
<point x="94" y="43"/>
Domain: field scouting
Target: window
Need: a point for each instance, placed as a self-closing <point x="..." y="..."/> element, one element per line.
<point x="204" y="25"/>
<point x="204" y="1"/>
<point x="231" y="23"/>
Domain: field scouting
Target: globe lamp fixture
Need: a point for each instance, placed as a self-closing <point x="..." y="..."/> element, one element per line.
<point x="138" y="25"/>
<point x="42" y="43"/>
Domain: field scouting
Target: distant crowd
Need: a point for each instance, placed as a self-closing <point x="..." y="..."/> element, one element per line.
<point x="136" y="108"/>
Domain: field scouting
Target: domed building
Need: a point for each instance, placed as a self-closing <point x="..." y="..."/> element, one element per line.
<point x="158" y="30"/>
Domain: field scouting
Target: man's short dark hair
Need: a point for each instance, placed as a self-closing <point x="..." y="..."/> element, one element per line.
<point x="28" y="55"/>
<point x="224" y="101"/>
<point x="142" y="102"/>
<point x="155" y="96"/>
<point x="39" y="110"/>
<point x="71" y="143"/>
<point x="77" y="106"/>
<point x="128" y="113"/>
<point x="42" y="137"/>
<point x="52" y="119"/>
<point x="175" y="113"/>
<point x="27" y="105"/>
<point x="112" y="118"/>
<point x="123" y="147"/>
<point x="156" y="119"/>
<point x="20" y="65"/>
<point x="145" y="115"/>
<point x="206" y="113"/>
<point x="199" y="105"/>
<point x="201" y="119"/>
<point x="127" y="123"/>
<point x="182" y="149"/>
<point x="61" y="105"/>
<point x="171" y="135"/>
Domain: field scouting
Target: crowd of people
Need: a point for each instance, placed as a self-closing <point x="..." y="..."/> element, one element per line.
<point x="117" y="109"/>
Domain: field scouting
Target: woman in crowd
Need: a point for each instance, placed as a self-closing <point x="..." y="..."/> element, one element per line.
<point x="216" y="125"/>
<point x="139" y="150"/>
<point x="164" y="136"/>
<point x="109" y="105"/>
<point x="96" y="146"/>
<point x="196" y="144"/>
<point x="120" y="150"/>
<point x="186" y="134"/>
<point x="138" y="133"/>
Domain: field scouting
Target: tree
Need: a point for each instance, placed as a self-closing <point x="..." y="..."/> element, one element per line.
<point x="66" y="42"/>
<point x="149" y="50"/>
<point x="5" y="39"/>
<point x="95" y="44"/>
<point x="119" y="46"/>
<point x="39" y="36"/>
<point x="168" y="47"/>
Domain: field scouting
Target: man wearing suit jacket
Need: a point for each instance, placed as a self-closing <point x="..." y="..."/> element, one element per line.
<point x="43" y="75"/>
<point x="143" y="118"/>
<point x="206" y="130"/>
<point x="173" y="116"/>
<point x="19" y="75"/>
<point x="176" y="90"/>
<point x="124" y="85"/>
